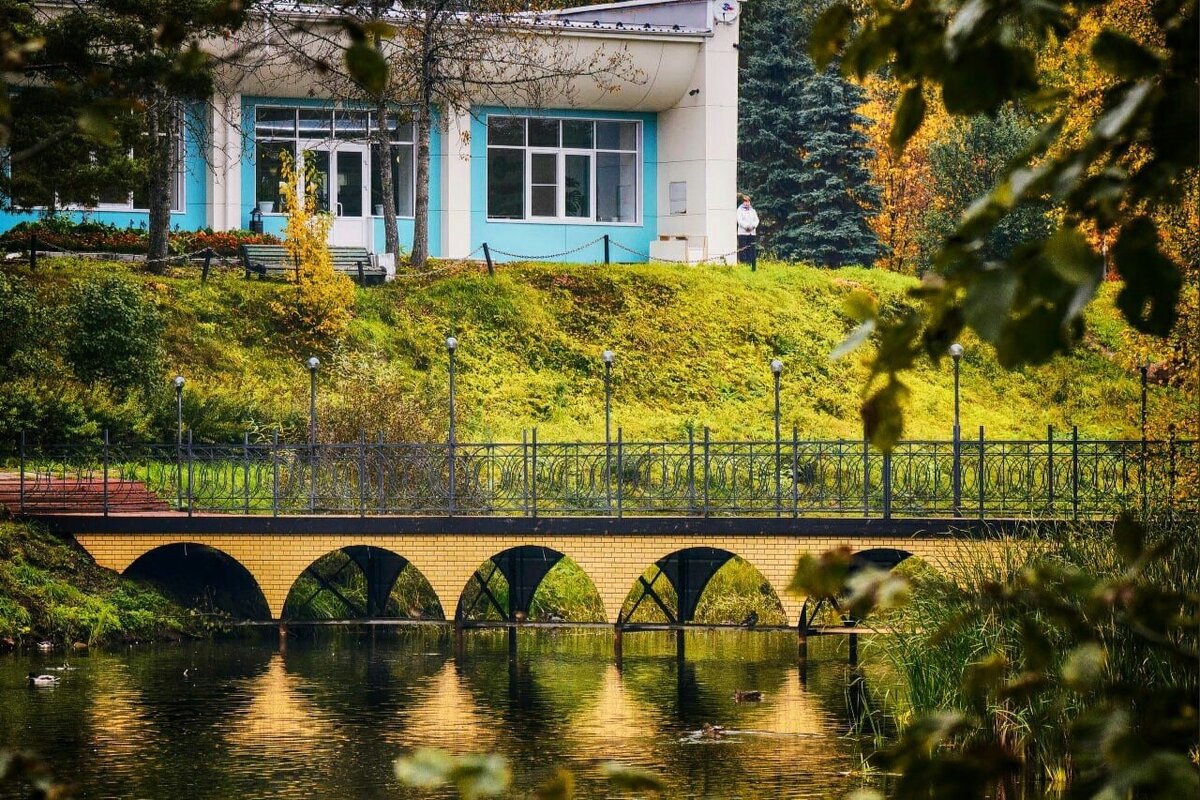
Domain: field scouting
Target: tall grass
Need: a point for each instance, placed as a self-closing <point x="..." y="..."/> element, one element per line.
<point x="954" y="628"/>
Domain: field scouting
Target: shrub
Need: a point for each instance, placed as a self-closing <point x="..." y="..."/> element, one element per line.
<point x="114" y="335"/>
<point x="321" y="305"/>
<point x="18" y="315"/>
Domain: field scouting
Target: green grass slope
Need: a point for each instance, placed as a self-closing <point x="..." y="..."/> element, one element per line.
<point x="692" y="345"/>
<point x="51" y="589"/>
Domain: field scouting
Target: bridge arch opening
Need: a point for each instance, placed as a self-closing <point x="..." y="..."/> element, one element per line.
<point x="361" y="582"/>
<point x="530" y="583"/>
<point x="203" y="577"/>
<point x="703" y="585"/>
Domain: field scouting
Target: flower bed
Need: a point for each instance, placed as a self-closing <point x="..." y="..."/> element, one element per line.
<point x="99" y="237"/>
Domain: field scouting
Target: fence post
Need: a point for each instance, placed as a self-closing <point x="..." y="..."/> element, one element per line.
<point x="382" y="466"/>
<point x="1075" y="471"/>
<point x="487" y="256"/>
<point x="533" y="476"/>
<point x="208" y="254"/>
<point x="525" y="470"/>
<point x="275" y="473"/>
<point x="887" y="484"/>
<point x="606" y="252"/>
<point x="21" y="476"/>
<point x="312" y="475"/>
<point x="866" y="462"/>
<point x="362" y="278"/>
<point x="105" y="460"/>
<point x="1171" y="466"/>
<point x="982" y="472"/>
<point x="1050" y="467"/>
<point x="362" y="473"/>
<point x="620" y="473"/>
<point x="191" y="474"/>
<point x="33" y="243"/>
<point x="795" y="472"/>
<point x="706" y="471"/>
<point x="691" y="470"/>
<point x="246" y="473"/>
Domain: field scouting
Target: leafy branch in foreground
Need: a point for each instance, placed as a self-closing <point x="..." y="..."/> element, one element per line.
<point x="1131" y="167"/>
<point x="1076" y="656"/>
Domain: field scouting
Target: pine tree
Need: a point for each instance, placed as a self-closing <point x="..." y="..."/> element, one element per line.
<point x="801" y="155"/>
<point x="835" y="196"/>
<point x="774" y="71"/>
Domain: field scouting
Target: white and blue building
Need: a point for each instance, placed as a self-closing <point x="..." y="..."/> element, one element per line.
<point x="651" y="164"/>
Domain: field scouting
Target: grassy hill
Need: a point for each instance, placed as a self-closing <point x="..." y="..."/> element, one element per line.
<point x="692" y="345"/>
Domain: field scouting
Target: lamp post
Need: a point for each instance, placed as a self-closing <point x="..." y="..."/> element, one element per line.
<point x="451" y="347"/>
<point x="178" y="410"/>
<point x="178" y="383"/>
<point x="956" y="352"/>
<point x="312" y="364"/>
<point x="776" y="372"/>
<point x="607" y="358"/>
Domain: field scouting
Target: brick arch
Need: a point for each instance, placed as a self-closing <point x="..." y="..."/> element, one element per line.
<point x="525" y="568"/>
<point x="381" y="565"/>
<point x="237" y="578"/>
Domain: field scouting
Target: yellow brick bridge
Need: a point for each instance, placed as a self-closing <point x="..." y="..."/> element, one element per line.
<point x="257" y="516"/>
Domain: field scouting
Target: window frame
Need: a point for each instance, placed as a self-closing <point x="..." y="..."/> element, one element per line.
<point x="562" y="152"/>
<point x="302" y="139"/>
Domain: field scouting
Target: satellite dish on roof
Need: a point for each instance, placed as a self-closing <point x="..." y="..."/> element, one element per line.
<point x="725" y="11"/>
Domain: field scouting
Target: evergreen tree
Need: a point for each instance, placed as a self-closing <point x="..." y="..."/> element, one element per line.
<point x="800" y="153"/>
<point x="835" y="196"/>
<point x="773" y="73"/>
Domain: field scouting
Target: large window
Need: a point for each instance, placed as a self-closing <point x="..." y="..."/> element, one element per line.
<point x="286" y="129"/>
<point x="569" y="170"/>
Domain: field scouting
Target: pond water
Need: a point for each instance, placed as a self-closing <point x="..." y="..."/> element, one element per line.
<point x="328" y="716"/>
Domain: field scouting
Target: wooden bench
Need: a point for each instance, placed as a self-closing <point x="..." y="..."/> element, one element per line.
<point x="274" y="259"/>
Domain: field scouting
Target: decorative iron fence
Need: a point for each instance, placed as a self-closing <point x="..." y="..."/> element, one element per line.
<point x="1049" y="478"/>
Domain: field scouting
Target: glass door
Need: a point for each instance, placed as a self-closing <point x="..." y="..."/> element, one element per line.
<point x="351" y="194"/>
<point x="344" y="191"/>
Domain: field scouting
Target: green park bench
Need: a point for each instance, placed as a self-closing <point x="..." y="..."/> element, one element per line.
<point x="274" y="259"/>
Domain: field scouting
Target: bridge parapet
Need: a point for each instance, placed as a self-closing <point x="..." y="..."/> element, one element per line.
<point x="1056" y="477"/>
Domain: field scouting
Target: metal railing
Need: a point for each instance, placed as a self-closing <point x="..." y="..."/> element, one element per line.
<point x="1055" y="477"/>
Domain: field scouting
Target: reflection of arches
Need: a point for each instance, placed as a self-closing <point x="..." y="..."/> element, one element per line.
<point x="360" y="582"/>
<point x="687" y="574"/>
<point x="201" y="576"/>
<point x="505" y="586"/>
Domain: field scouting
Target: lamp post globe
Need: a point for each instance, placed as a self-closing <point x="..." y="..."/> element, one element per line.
<point x="956" y="350"/>
<point x="607" y="356"/>
<point x="313" y="363"/>
<point x="179" y="383"/>
<point x="451" y="343"/>
<point x="776" y="366"/>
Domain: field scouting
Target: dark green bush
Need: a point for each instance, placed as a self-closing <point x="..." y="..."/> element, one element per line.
<point x="18" y="317"/>
<point x="114" y="335"/>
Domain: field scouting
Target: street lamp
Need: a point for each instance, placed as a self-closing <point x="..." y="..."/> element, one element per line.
<point x="451" y="346"/>
<point x="607" y="358"/>
<point x="178" y="410"/>
<point x="956" y="352"/>
<point x="313" y="363"/>
<point x="776" y="372"/>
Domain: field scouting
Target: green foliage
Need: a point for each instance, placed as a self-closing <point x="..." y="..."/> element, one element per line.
<point x="1132" y="166"/>
<point x="115" y="335"/>
<point x="692" y="349"/>
<point x="967" y="164"/>
<point x="18" y="319"/>
<point x="801" y="154"/>
<point x="1069" y="654"/>
<point x="51" y="589"/>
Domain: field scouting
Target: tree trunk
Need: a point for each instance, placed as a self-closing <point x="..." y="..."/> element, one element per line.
<point x="420" y="248"/>
<point x="387" y="170"/>
<point x="163" y="126"/>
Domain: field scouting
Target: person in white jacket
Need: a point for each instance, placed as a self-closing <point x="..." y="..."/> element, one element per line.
<point x="747" y="228"/>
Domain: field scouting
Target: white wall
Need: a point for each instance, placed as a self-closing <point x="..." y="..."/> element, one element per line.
<point x="697" y="143"/>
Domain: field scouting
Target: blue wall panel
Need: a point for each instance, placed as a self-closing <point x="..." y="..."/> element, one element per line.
<point x="542" y="238"/>
<point x="195" y="194"/>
